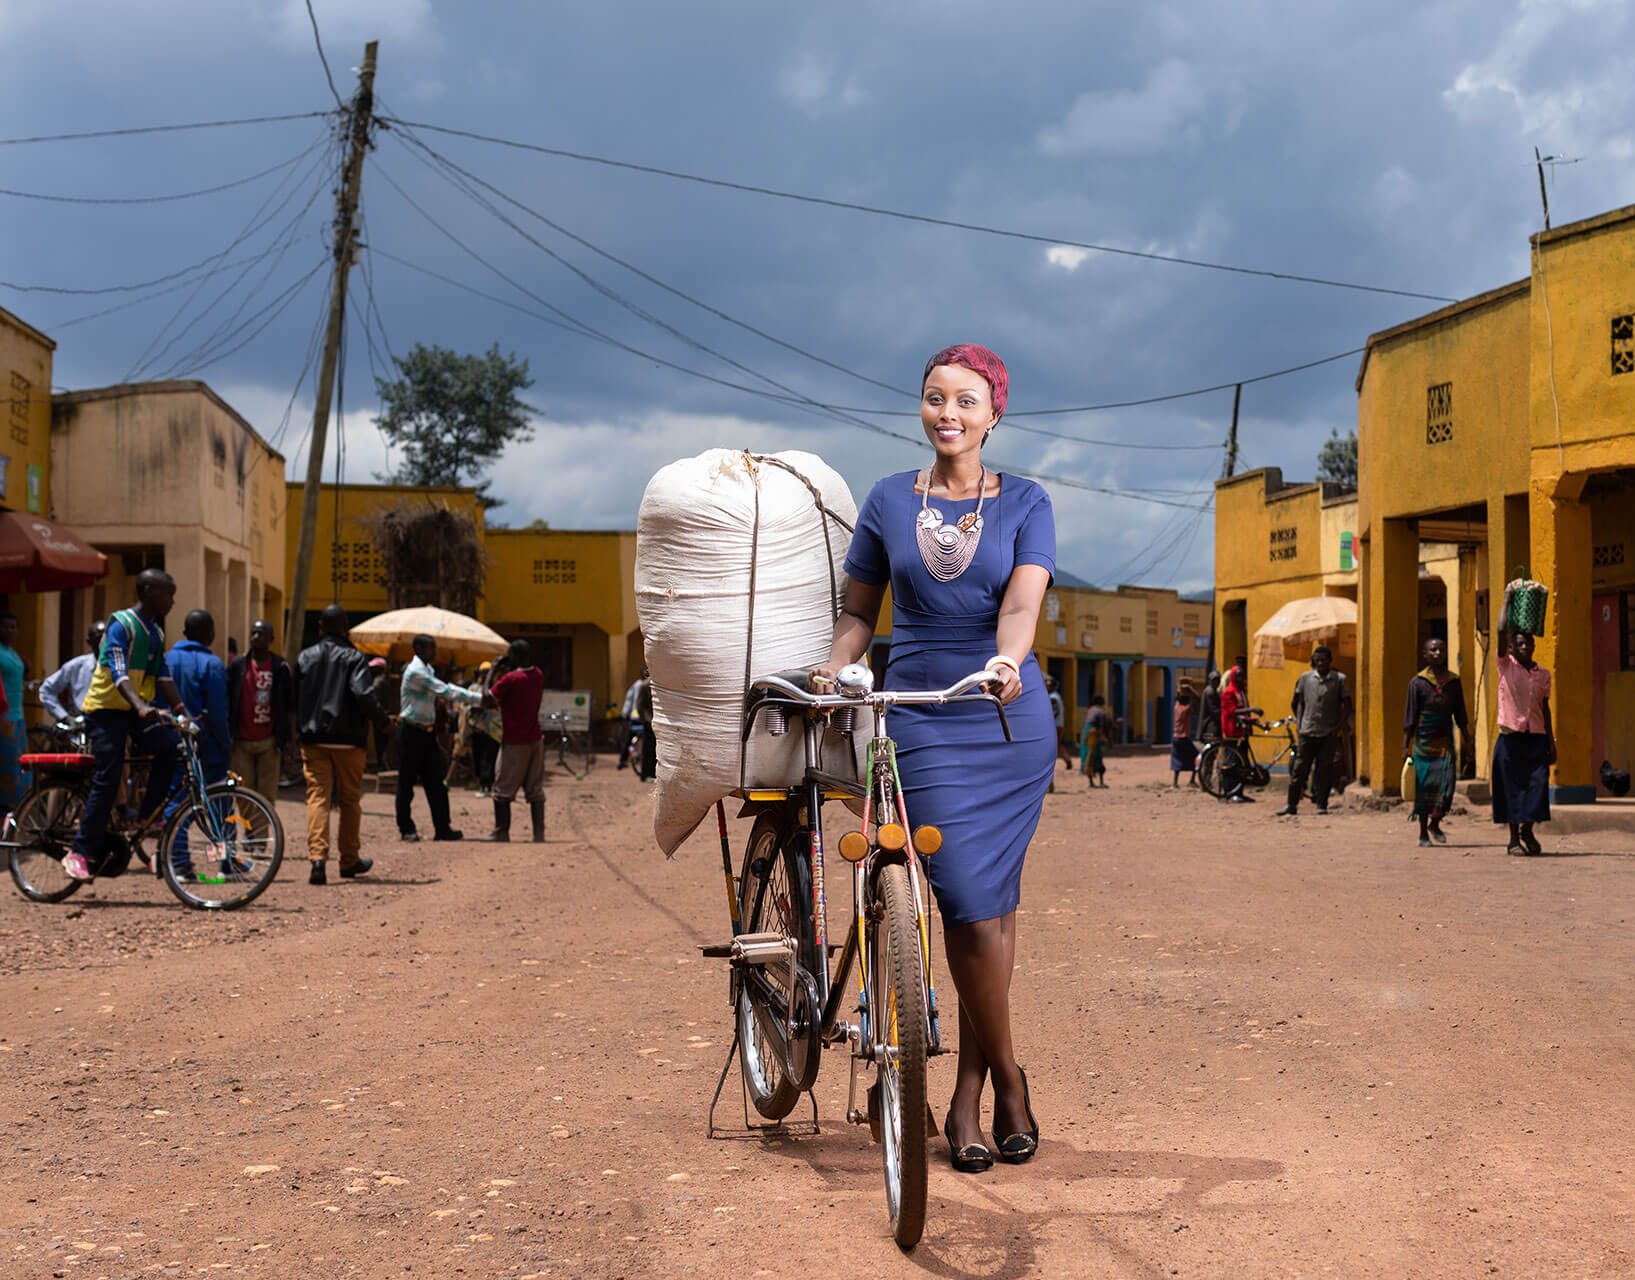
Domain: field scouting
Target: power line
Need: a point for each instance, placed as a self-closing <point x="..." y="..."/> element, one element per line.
<point x="408" y="137"/>
<point x="880" y="211"/>
<point x="318" y="40"/>
<point x="647" y="276"/>
<point x="162" y="128"/>
<point x="165" y="199"/>
<point x="574" y="326"/>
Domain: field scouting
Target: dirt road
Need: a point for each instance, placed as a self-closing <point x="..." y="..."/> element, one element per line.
<point x="1258" y="1047"/>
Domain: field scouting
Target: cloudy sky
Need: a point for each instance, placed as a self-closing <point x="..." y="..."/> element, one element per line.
<point x="1387" y="144"/>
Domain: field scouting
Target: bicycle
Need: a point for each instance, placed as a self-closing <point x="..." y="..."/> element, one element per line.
<point x="573" y="753"/>
<point x="786" y="1002"/>
<point x="1228" y="765"/>
<point x="238" y="831"/>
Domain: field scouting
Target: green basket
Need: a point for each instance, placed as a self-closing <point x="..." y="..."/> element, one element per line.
<point x="1525" y="602"/>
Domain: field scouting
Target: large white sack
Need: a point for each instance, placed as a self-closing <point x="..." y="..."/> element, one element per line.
<point x="694" y="541"/>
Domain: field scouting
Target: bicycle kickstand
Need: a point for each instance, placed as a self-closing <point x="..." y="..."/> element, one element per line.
<point x="754" y="1129"/>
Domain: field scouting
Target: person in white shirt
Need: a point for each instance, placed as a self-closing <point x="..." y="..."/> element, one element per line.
<point x="62" y="692"/>
<point x="419" y="758"/>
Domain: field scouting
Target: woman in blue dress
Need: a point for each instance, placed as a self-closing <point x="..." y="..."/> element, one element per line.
<point x="968" y="554"/>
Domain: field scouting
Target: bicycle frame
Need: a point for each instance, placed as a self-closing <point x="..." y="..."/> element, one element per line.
<point x="883" y="802"/>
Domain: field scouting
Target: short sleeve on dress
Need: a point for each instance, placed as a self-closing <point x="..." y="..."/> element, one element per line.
<point x="866" y="560"/>
<point x="1036" y="535"/>
<point x="1544" y="683"/>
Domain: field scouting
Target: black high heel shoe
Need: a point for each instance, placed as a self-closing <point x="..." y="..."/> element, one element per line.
<point x="973" y="1157"/>
<point x="1019" y="1148"/>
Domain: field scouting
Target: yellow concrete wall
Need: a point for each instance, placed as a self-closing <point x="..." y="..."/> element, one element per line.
<point x="25" y="386"/>
<point x="347" y="569"/>
<point x="25" y="390"/>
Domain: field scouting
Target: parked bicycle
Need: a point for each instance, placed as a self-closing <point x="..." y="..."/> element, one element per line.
<point x="1229" y="766"/>
<point x="573" y="753"/>
<point x="218" y="851"/>
<point x="787" y="1002"/>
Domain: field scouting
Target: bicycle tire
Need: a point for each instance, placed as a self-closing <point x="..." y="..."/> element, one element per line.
<point x="43" y="827"/>
<point x="585" y="748"/>
<point x="784" y="907"/>
<point x="258" y="847"/>
<point x="1209" y="766"/>
<point x="898" y="978"/>
<point x="1232" y="771"/>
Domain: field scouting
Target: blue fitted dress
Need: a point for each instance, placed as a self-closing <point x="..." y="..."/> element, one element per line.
<point x="958" y="771"/>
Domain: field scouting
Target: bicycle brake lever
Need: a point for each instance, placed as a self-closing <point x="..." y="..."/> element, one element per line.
<point x="1004" y="721"/>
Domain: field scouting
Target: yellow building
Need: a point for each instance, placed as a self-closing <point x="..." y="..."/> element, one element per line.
<point x="570" y="593"/>
<point x="25" y="468"/>
<point x="1504" y="427"/>
<point x="168" y="475"/>
<point x="573" y="595"/>
<point x="1277" y="541"/>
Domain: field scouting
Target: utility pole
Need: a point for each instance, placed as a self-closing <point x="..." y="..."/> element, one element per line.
<point x="1232" y="435"/>
<point x="346" y="216"/>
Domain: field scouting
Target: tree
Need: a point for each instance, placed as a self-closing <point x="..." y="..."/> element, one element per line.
<point x="453" y="415"/>
<point x="1337" y="460"/>
<point x="429" y="554"/>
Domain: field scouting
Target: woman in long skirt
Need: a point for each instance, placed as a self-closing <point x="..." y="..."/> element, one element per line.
<point x="1436" y="706"/>
<point x="1183" y="751"/>
<point x="968" y="554"/>
<point x="1526" y="747"/>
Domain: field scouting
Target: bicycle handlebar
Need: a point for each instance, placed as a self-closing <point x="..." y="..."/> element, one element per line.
<point x="181" y="723"/>
<point x="970" y="688"/>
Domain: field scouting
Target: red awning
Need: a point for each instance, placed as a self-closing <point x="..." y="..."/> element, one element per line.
<point x="38" y="555"/>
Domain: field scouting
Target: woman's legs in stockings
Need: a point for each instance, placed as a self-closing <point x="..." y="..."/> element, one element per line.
<point x="981" y="958"/>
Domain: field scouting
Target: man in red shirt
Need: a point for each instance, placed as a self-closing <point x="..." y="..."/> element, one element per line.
<point x="518" y="686"/>
<point x="260" y="711"/>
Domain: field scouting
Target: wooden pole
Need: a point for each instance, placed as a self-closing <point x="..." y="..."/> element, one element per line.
<point x="346" y="218"/>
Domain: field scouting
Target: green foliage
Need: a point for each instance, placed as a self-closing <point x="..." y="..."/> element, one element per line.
<point x="1337" y="460"/>
<point x="452" y="415"/>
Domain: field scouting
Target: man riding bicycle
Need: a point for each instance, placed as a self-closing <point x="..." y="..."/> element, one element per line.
<point x="130" y="674"/>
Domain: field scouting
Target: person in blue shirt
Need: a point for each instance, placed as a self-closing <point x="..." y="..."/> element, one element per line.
<point x="201" y="678"/>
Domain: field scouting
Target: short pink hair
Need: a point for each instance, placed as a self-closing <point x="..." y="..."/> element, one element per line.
<point x="978" y="359"/>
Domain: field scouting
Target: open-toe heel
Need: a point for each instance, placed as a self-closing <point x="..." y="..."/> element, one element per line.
<point x="973" y="1157"/>
<point x="1019" y="1148"/>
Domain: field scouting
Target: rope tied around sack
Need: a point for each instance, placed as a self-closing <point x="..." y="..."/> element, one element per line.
<point x="752" y="462"/>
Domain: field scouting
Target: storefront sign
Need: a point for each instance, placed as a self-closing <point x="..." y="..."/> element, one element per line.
<point x="35" y="487"/>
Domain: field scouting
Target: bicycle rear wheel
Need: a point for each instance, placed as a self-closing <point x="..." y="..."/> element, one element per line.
<point x="43" y="827"/>
<point x="222" y="859"/>
<point x="774" y="896"/>
<point x="897" y="998"/>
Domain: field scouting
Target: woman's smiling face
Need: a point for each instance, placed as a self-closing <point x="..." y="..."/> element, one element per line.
<point x="956" y="410"/>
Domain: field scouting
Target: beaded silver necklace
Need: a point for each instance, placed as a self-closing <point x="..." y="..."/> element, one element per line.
<point x="948" y="549"/>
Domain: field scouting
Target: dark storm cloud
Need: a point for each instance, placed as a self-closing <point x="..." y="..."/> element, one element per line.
<point x="1386" y="144"/>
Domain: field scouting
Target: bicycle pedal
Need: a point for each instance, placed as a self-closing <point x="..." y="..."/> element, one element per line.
<point x="716" y="951"/>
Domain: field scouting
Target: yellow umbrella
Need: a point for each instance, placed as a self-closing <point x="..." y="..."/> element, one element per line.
<point x="460" y="640"/>
<point x="1303" y="623"/>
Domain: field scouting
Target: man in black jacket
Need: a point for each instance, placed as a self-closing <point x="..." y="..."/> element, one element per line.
<point x="335" y="701"/>
<point x="260" y="706"/>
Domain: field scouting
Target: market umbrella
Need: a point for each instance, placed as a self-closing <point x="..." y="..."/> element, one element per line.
<point x="37" y="554"/>
<point x="1303" y="623"/>
<point x="460" y="640"/>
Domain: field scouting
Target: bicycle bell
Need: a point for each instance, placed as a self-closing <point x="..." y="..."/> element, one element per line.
<point x="855" y="679"/>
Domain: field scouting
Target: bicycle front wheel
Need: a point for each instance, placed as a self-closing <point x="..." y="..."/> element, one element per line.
<point x="222" y="857"/>
<point x="43" y="829"/>
<point x="1231" y="771"/>
<point x="1209" y="769"/>
<point x="897" y="982"/>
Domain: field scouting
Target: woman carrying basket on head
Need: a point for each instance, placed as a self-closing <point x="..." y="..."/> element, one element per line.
<point x="968" y="554"/>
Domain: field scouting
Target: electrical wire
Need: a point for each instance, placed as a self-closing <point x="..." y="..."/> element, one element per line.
<point x="318" y="40"/>
<point x="259" y="219"/>
<point x="271" y="312"/>
<point x="165" y="199"/>
<point x="408" y="136"/>
<point x="879" y="211"/>
<point x="162" y="128"/>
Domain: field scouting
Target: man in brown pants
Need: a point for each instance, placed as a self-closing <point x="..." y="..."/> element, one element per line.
<point x="519" y="688"/>
<point x="335" y="701"/>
